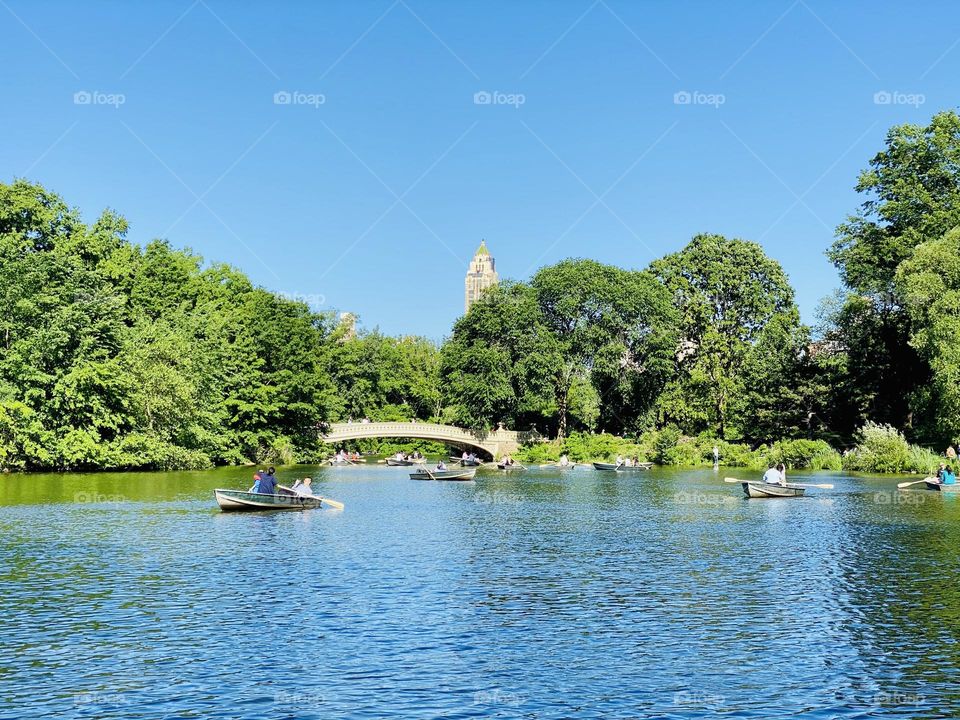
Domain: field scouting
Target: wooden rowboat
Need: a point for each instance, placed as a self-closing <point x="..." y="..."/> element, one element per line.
<point x="940" y="487"/>
<point x="443" y="474"/>
<point x="241" y="501"/>
<point x="623" y="468"/>
<point x="768" y="490"/>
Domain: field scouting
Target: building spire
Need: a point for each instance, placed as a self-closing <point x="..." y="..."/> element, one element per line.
<point x="481" y="274"/>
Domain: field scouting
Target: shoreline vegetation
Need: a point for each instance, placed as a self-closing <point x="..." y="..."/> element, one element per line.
<point x="117" y="355"/>
<point x="880" y="450"/>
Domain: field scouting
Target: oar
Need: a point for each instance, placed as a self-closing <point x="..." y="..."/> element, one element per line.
<point x="336" y="504"/>
<point x="822" y="486"/>
<point x="915" y="482"/>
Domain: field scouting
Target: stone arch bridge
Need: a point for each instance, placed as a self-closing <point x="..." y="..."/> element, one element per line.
<point x="494" y="443"/>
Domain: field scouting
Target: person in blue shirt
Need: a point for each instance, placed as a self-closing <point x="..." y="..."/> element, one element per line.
<point x="947" y="477"/>
<point x="264" y="482"/>
<point x="268" y="483"/>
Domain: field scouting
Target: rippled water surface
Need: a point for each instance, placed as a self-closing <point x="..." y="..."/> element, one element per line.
<point x="529" y="595"/>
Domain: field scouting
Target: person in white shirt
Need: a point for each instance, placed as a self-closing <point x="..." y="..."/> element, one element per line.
<point x="774" y="476"/>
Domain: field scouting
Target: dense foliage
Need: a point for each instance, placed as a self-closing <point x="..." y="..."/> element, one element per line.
<point x="116" y="355"/>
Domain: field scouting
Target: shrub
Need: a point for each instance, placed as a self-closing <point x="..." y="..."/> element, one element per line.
<point x="796" y="454"/>
<point x="880" y="449"/>
<point x="922" y="460"/>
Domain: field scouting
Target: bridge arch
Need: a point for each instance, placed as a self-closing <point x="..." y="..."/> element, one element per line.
<point x="494" y="443"/>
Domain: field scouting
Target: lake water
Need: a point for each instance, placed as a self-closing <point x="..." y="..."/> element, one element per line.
<point x="529" y="595"/>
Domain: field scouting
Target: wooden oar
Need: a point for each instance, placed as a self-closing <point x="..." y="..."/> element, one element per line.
<point x="336" y="504"/>
<point x="916" y="482"/>
<point x="822" y="486"/>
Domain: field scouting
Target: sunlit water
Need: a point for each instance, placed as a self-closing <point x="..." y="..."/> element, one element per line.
<point x="534" y="595"/>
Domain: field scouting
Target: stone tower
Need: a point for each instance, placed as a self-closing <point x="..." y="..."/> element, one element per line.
<point x="481" y="274"/>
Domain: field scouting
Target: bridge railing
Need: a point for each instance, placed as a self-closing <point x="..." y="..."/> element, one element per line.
<point x="418" y="429"/>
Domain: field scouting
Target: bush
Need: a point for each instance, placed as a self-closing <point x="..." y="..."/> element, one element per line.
<point x="880" y="449"/>
<point x="924" y="461"/>
<point x="797" y="454"/>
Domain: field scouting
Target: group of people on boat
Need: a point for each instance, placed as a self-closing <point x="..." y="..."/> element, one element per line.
<point x="265" y="483"/>
<point x="415" y="456"/>
<point x="626" y="462"/>
<point x="343" y="456"/>
<point x="776" y="475"/>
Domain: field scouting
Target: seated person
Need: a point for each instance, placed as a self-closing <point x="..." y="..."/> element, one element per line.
<point x="947" y="477"/>
<point x="441" y="465"/>
<point x="302" y="487"/>
<point x="773" y="477"/>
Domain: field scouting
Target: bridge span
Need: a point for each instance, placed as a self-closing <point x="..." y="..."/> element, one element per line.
<point x="495" y="443"/>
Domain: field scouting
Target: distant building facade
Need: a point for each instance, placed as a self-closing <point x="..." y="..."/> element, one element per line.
<point x="481" y="275"/>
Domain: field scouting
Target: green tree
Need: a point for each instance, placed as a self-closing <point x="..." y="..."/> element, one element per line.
<point x="912" y="190"/>
<point x="730" y="296"/>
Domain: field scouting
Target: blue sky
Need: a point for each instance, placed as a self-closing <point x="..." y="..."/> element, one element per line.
<point x="614" y="130"/>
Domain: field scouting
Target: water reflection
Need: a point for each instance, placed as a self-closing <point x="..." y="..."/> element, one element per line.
<point x="541" y="594"/>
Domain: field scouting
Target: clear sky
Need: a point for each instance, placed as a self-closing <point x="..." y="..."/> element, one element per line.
<point x="370" y="188"/>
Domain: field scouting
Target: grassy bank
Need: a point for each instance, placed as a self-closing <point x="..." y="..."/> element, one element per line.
<point x="879" y="449"/>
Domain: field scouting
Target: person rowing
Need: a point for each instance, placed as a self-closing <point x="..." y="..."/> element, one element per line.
<point x="947" y="477"/>
<point x="564" y="460"/>
<point x="302" y="487"/>
<point x="775" y="475"/>
<point x="441" y="465"/>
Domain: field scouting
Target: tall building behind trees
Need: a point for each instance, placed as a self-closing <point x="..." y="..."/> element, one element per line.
<point x="481" y="275"/>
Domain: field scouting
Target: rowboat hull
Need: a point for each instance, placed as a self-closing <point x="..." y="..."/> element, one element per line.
<point x="766" y="490"/>
<point x="939" y="487"/>
<point x="444" y="474"/>
<point x="240" y="501"/>
<point x="613" y="467"/>
<point x="393" y="462"/>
